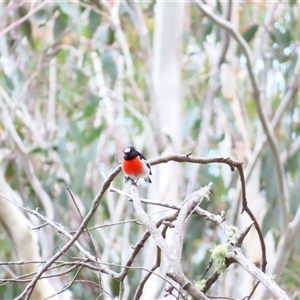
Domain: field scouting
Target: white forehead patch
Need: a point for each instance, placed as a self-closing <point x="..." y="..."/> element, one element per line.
<point x="127" y="150"/>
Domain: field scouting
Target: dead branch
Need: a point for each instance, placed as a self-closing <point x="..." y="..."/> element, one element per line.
<point x="177" y="273"/>
<point x="270" y="284"/>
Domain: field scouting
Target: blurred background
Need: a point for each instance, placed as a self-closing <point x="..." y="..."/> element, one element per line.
<point x="81" y="80"/>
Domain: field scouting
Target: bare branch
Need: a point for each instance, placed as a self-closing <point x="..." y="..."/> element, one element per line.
<point x="28" y="166"/>
<point x="23" y="19"/>
<point x="283" y="191"/>
<point x="270" y="284"/>
<point x="179" y="277"/>
<point x="178" y="274"/>
<point x="28" y="290"/>
<point x="188" y="205"/>
<point x="139" y="290"/>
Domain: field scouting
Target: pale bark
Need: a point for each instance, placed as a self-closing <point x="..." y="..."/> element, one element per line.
<point x="166" y="111"/>
<point x="24" y="241"/>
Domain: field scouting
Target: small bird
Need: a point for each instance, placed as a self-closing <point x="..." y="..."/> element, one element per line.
<point x="135" y="165"/>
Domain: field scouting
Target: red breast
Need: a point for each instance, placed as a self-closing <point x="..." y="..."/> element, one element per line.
<point x="132" y="167"/>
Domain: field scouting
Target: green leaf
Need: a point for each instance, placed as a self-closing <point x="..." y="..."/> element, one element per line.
<point x="249" y="34"/>
<point x="92" y="135"/>
<point x="64" y="197"/>
<point x="60" y="25"/>
<point x="41" y="17"/>
<point x="26" y="26"/>
<point x="111" y="36"/>
<point x="39" y="150"/>
<point x="9" y="82"/>
<point x="270" y="219"/>
<point x="69" y="9"/>
<point x="76" y="134"/>
<point x="292" y="2"/>
<point x="219" y="7"/>
<point x="94" y="22"/>
<point x="90" y="110"/>
<point x="191" y="118"/>
<point x="269" y="183"/>
<point x="208" y="26"/>
<point x="62" y="151"/>
<point x="106" y="34"/>
<point x="282" y="38"/>
<point x="109" y="65"/>
<point x="78" y="181"/>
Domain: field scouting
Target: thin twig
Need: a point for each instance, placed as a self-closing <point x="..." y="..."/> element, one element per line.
<point x="139" y="290"/>
<point x="283" y="191"/>
<point x="23" y="19"/>
<point x="88" y="234"/>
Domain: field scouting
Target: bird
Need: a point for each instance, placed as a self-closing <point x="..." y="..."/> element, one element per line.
<point x="135" y="165"/>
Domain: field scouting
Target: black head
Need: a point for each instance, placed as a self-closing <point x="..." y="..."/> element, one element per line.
<point x="130" y="153"/>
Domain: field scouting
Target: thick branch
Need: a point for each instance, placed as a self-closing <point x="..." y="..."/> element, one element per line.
<point x="270" y="284"/>
<point x="188" y="206"/>
<point x="178" y="274"/>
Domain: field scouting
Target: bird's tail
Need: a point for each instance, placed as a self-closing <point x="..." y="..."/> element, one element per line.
<point x="147" y="179"/>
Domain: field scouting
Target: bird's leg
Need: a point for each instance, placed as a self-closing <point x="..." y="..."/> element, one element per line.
<point x="132" y="181"/>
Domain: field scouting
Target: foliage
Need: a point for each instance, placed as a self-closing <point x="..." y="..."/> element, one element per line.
<point x="74" y="82"/>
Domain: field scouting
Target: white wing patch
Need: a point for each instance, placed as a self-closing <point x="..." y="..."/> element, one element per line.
<point x="145" y="162"/>
<point x="148" y="169"/>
